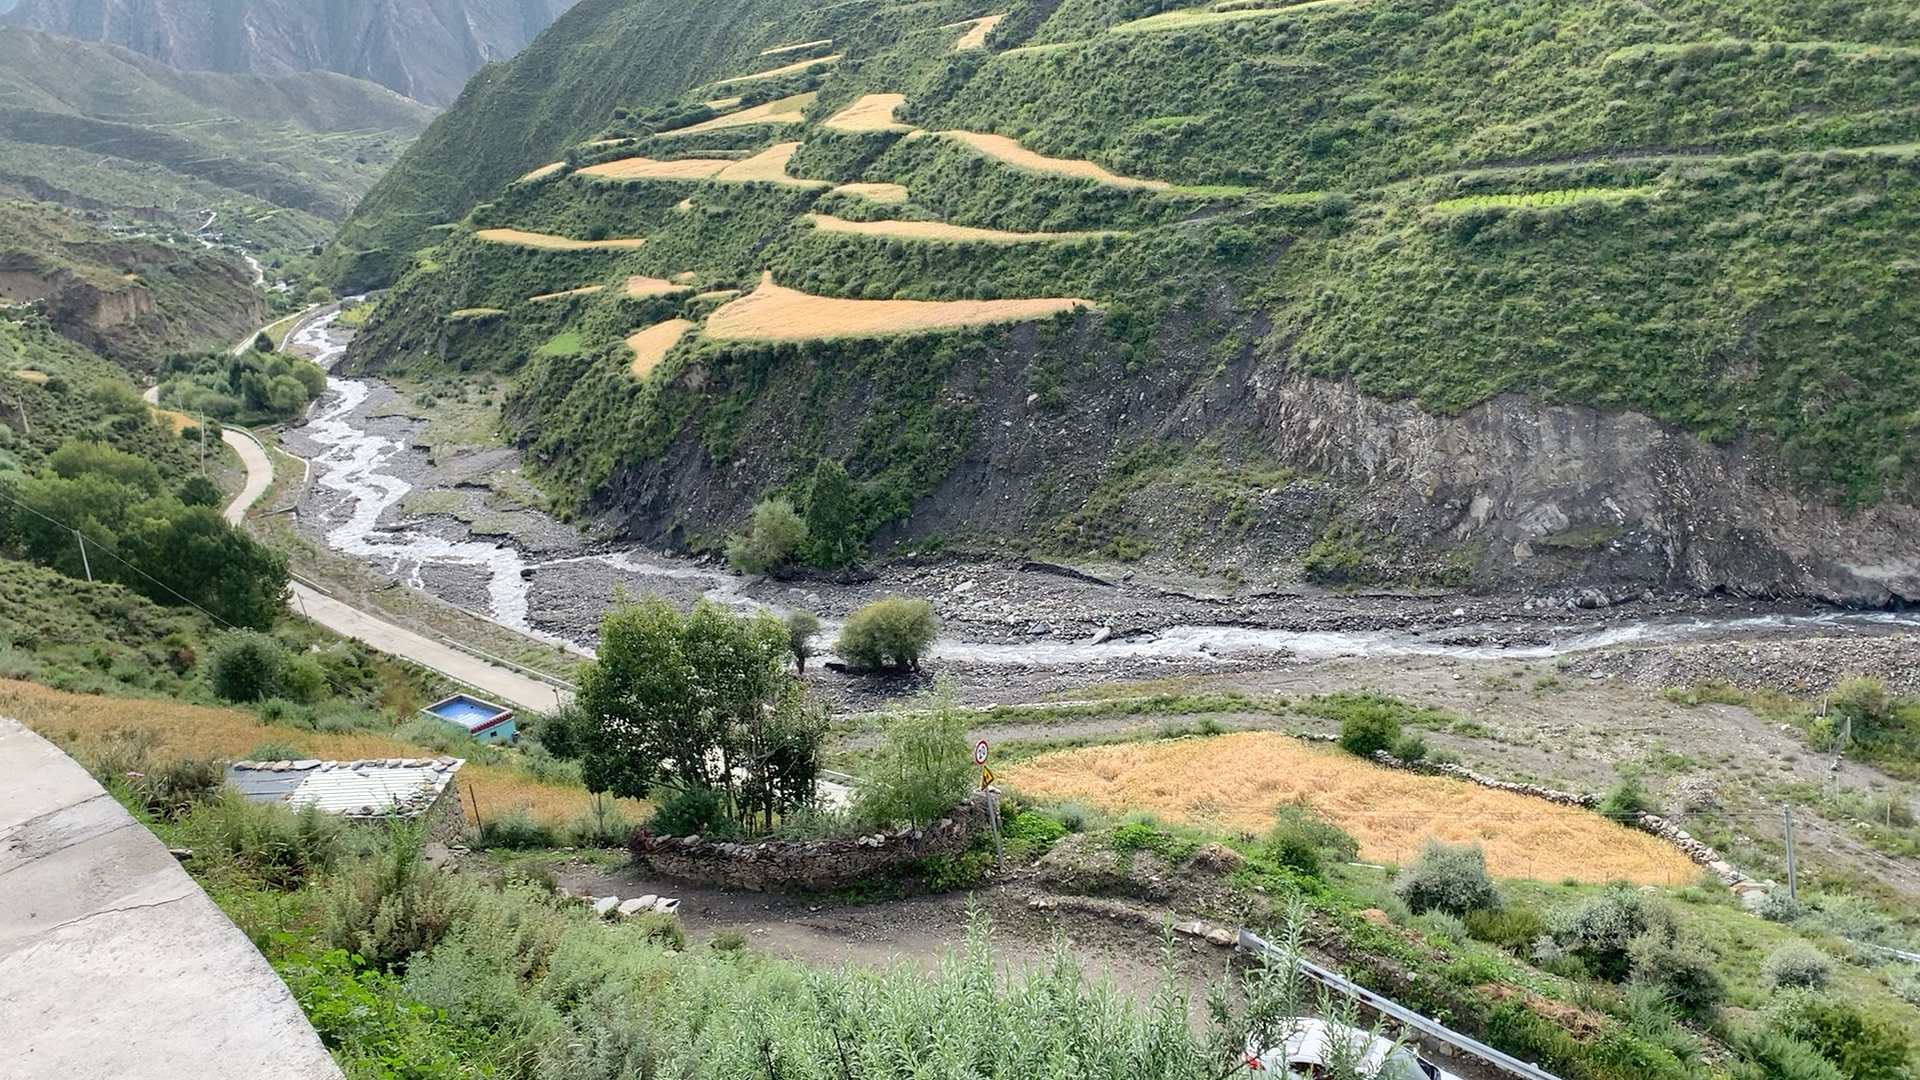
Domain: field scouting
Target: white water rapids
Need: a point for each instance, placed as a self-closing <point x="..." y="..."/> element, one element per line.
<point x="353" y="463"/>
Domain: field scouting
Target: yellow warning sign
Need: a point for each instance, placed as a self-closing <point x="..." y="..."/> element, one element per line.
<point x="986" y="779"/>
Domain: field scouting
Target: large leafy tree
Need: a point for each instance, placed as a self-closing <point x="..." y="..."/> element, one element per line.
<point x="698" y="702"/>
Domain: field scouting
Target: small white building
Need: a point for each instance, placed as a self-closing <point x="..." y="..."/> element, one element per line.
<point x="393" y="789"/>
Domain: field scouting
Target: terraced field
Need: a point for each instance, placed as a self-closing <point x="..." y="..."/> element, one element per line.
<point x="940" y="231"/>
<point x="774" y="313"/>
<point x="553" y="243"/>
<point x="650" y="346"/>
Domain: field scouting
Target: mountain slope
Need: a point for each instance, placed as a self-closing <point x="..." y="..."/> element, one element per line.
<point x="424" y="49"/>
<point x="1507" y="293"/>
<point x="275" y="157"/>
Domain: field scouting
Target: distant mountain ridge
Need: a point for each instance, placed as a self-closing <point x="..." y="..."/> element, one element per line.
<point x="424" y="49"/>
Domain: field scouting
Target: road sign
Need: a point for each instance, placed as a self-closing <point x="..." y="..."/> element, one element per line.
<point x="980" y="753"/>
<point x="986" y="779"/>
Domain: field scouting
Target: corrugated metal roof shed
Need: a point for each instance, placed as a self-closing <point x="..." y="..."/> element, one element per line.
<point x="381" y="788"/>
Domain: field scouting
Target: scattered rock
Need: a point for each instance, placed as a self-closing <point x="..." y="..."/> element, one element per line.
<point x="605" y="905"/>
<point x="1377" y="917"/>
<point x="1221" y="937"/>
<point x="630" y="908"/>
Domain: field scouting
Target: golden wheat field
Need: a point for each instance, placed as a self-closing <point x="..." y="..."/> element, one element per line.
<point x="722" y="104"/>
<point x="177" y="422"/>
<point x="778" y="49"/>
<point x="584" y="290"/>
<point x="976" y="35"/>
<point x="640" y="168"/>
<point x="544" y="170"/>
<point x="650" y="346"/>
<point x="941" y="231"/>
<point x="552" y="243"/>
<point x="81" y="724"/>
<point x="769" y="166"/>
<point x="640" y="287"/>
<point x="1237" y="782"/>
<point x="873" y="112"/>
<point x="773" y="313"/>
<point x="1000" y="148"/>
<point x="39" y="377"/>
<point x="786" y="110"/>
<point x="891" y="194"/>
<point x="790" y="69"/>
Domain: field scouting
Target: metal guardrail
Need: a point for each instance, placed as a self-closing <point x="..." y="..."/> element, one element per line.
<point x="1430" y="1028"/>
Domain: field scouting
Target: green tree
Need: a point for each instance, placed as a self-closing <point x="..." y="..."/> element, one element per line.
<point x="85" y="457"/>
<point x="836" y="534"/>
<point x="802" y="628"/>
<point x="1369" y="730"/>
<point x="197" y="490"/>
<point x="263" y="342"/>
<point x="925" y="763"/>
<point x="894" y="633"/>
<point x="247" y="666"/>
<point x="193" y="555"/>
<point x="770" y="545"/>
<point x="1449" y="879"/>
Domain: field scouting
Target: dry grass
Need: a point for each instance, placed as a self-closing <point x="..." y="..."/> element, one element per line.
<point x="723" y="104"/>
<point x="790" y="69"/>
<point x="640" y="168"/>
<point x="640" y="287"/>
<point x="976" y="35"/>
<point x="874" y="112"/>
<point x="718" y="294"/>
<point x="610" y="142"/>
<point x="786" y="110"/>
<point x="1000" y="148"/>
<point x="544" y="170"/>
<point x="778" y="49"/>
<point x="177" y="421"/>
<point x="1237" y="782"/>
<point x="553" y="243"/>
<point x="475" y="314"/>
<point x="81" y="724"/>
<point x="769" y="166"/>
<point x="1189" y="18"/>
<point x="584" y="290"/>
<point x="891" y="194"/>
<point x="940" y="231"/>
<point x="39" y="377"/>
<point x="772" y="313"/>
<point x="650" y="346"/>
<point x="685" y="277"/>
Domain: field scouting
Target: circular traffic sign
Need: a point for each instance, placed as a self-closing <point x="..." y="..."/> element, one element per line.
<point x="980" y="752"/>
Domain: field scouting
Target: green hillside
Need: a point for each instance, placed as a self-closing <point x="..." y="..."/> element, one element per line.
<point x="275" y="159"/>
<point x="1700" y="211"/>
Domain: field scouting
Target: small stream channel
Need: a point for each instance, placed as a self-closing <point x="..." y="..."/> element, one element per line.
<point x="364" y="520"/>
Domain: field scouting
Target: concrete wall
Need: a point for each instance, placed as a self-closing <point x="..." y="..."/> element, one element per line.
<point x="113" y="963"/>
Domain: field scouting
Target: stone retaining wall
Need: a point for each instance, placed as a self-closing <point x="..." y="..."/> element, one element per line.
<point x="808" y="866"/>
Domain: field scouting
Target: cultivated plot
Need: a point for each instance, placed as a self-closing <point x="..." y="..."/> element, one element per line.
<point x="891" y="194"/>
<point x="941" y="231"/>
<point x="545" y="170"/>
<point x="641" y="168"/>
<point x="773" y="313"/>
<point x="640" y="287"/>
<point x="650" y="346"/>
<point x="873" y="112"/>
<point x="584" y="290"/>
<point x="790" y="69"/>
<point x="1190" y="18"/>
<point x="786" y="110"/>
<point x="1002" y="149"/>
<point x="977" y="31"/>
<point x="1238" y="782"/>
<point x="554" y="243"/>
<point x="769" y="166"/>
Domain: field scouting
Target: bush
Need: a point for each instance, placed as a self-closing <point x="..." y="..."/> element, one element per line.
<point x="924" y="766"/>
<point x="1409" y="747"/>
<point x="281" y="848"/>
<point x="890" y="633"/>
<point x="304" y="680"/>
<point x="1770" y="1055"/>
<point x="1859" y="1046"/>
<point x="1368" y="731"/>
<point x="1863" y="701"/>
<point x="1626" y="800"/>
<point x="247" y="666"/>
<point x="772" y="542"/>
<point x="691" y="812"/>
<point x="394" y="905"/>
<point x="1303" y="840"/>
<point x="1678" y="967"/>
<point x="1514" y="929"/>
<point x="517" y="830"/>
<point x="1797" y="964"/>
<point x="1777" y="906"/>
<point x="1449" y="879"/>
<point x="661" y="929"/>
<point x="604" y="826"/>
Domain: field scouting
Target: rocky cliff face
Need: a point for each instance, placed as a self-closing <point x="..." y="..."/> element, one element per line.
<point x="424" y="49"/>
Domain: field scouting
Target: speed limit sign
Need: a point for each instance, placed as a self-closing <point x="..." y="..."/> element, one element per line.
<point x="980" y="752"/>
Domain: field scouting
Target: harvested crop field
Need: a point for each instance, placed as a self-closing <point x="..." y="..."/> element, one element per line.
<point x="585" y="290"/>
<point x="1002" y="149"/>
<point x="640" y="168"/>
<point x="772" y="313"/>
<point x="82" y="724"/>
<point x="1238" y="781"/>
<point x="892" y="194"/>
<point x="176" y="422"/>
<point x="650" y="346"/>
<point x="640" y="287"/>
<point x="787" y="110"/>
<point x="778" y="49"/>
<point x="874" y="112"/>
<point x="553" y="243"/>
<point x="544" y="170"/>
<point x="38" y="377"/>
<point x="976" y="35"/>
<point x="790" y="69"/>
<point x="942" y="232"/>
<point x="769" y="166"/>
<point x="1189" y="18"/>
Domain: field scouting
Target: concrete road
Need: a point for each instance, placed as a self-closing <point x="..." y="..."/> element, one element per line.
<point x="492" y="680"/>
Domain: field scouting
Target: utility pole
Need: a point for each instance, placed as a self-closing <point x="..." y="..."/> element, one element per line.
<point x="1793" y="882"/>
<point x="84" y="564"/>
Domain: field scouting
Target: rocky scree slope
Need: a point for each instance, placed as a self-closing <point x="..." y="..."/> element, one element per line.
<point x="424" y="49"/>
<point x="1600" y="295"/>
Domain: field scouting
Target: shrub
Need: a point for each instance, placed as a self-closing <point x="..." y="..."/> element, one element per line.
<point x="281" y="848"/>
<point x="394" y="905"/>
<point x="604" y="826"/>
<point x="802" y="628"/>
<point x="1449" y="879"/>
<point x="516" y="830"/>
<point x="1777" y="906"/>
<point x="247" y="666"/>
<point x="1365" y="732"/>
<point x="1626" y="800"/>
<point x="1678" y="967"/>
<point x="728" y="940"/>
<point x="661" y="929"/>
<point x="275" y="751"/>
<point x="304" y="680"/>
<point x="1600" y="930"/>
<point x="924" y="766"/>
<point x="1859" y="1046"/>
<point x="1409" y="747"/>
<point x="171" y="790"/>
<point x="694" y="811"/>
<point x="1302" y="840"/>
<point x="1797" y="964"/>
<point x="772" y="542"/>
<point x="891" y="633"/>
<point x="1514" y="929"/>
<point x="1863" y="701"/>
<point x="1771" y="1055"/>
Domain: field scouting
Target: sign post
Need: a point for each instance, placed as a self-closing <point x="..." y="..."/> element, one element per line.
<point x="993" y="802"/>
